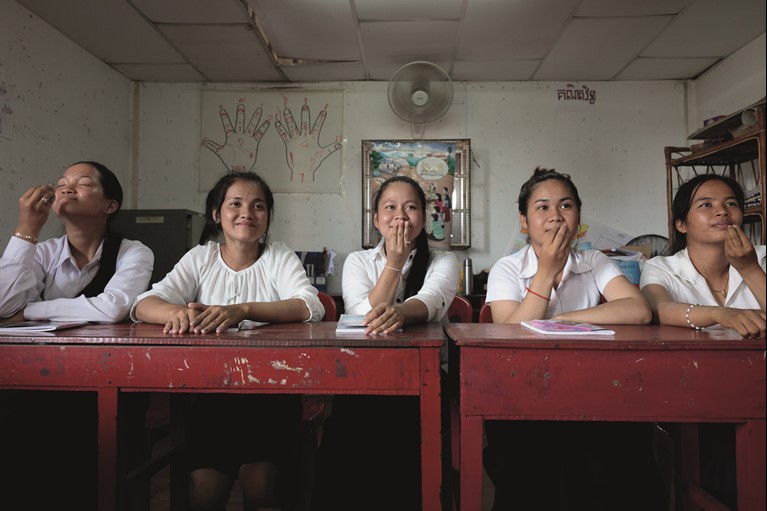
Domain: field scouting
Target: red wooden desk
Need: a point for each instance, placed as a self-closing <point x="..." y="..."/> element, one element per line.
<point x="306" y="358"/>
<point x="642" y="373"/>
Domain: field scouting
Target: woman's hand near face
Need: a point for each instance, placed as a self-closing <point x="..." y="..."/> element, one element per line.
<point x="216" y="318"/>
<point x="398" y="244"/>
<point x="383" y="319"/>
<point x="555" y="248"/>
<point x="738" y="249"/>
<point x="34" y="207"/>
<point x="747" y="322"/>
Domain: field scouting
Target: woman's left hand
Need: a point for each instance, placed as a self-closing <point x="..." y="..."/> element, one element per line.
<point x="214" y="317"/>
<point x="383" y="319"/>
<point x="738" y="249"/>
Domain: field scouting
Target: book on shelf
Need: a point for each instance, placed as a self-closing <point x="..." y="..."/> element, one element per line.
<point x="351" y="323"/>
<point x="38" y="326"/>
<point x="565" y="327"/>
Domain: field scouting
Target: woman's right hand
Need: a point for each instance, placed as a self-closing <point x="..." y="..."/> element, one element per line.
<point x="34" y="207"/>
<point x="749" y="323"/>
<point x="181" y="321"/>
<point x="554" y="250"/>
<point x="398" y="244"/>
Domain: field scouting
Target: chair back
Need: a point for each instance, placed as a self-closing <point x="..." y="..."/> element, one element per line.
<point x="460" y="310"/>
<point x="485" y="314"/>
<point x="327" y="301"/>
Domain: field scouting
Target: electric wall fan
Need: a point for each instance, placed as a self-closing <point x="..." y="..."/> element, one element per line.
<point x="420" y="92"/>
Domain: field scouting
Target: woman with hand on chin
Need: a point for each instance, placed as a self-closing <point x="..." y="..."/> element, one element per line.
<point x="715" y="276"/>
<point x="714" y="279"/>
<point x="217" y="285"/>
<point x="550" y="465"/>
<point x="369" y="457"/>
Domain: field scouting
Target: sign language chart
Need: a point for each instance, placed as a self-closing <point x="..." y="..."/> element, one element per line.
<point x="301" y="154"/>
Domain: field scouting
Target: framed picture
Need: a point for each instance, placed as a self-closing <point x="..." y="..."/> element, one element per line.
<point x="441" y="167"/>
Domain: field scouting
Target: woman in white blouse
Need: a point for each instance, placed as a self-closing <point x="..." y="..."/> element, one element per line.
<point x="715" y="278"/>
<point x="549" y="465"/>
<point x="370" y="452"/>
<point x="241" y="281"/>
<point x="89" y="274"/>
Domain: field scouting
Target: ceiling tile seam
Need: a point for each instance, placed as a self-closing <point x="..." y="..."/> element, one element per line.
<point x="360" y="45"/>
<point x="561" y="31"/>
<point x="250" y="14"/>
<point x="650" y="40"/>
<point x="458" y="34"/>
<point x="165" y="38"/>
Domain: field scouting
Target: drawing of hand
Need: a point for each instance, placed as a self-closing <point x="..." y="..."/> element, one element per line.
<point x="240" y="150"/>
<point x="303" y="152"/>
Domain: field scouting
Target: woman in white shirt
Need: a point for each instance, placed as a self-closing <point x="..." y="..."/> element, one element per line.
<point x="715" y="275"/>
<point x="529" y="461"/>
<point x="243" y="280"/>
<point x="714" y="278"/>
<point x="369" y="457"/>
<point x="89" y="274"/>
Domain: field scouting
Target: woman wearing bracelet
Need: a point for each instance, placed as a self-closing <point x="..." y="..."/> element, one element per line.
<point x="369" y="457"/>
<point x="715" y="275"/>
<point x="531" y="462"/>
<point x="715" y="278"/>
<point x="89" y="274"/>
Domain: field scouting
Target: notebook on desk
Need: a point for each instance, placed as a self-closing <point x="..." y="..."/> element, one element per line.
<point x="38" y="326"/>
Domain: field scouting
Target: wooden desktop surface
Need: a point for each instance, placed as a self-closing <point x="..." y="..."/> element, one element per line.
<point x="642" y="373"/>
<point x="305" y="358"/>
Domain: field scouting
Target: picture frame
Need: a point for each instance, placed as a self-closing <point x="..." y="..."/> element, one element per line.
<point x="443" y="169"/>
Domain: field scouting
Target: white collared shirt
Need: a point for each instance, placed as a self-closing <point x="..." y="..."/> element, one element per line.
<point x="363" y="268"/>
<point x="202" y="276"/>
<point x="584" y="279"/>
<point x="44" y="280"/>
<point x="679" y="277"/>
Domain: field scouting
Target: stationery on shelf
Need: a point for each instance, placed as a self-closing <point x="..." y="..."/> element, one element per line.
<point x="565" y="327"/>
<point x="351" y="323"/>
<point x="38" y="326"/>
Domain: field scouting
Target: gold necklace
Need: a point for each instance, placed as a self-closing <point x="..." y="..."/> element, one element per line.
<point x="722" y="291"/>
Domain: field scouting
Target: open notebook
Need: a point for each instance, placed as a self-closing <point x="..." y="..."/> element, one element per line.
<point x="38" y="326"/>
<point x="565" y="327"/>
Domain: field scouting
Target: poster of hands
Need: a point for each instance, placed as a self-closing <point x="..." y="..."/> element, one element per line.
<point x="292" y="138"/>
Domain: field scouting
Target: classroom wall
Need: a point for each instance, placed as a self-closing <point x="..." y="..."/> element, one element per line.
<point x="69" y="106"/>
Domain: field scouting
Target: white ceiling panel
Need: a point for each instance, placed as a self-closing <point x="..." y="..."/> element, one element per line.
<point x="334" y="72"/>
<point x="665" y="69"/>
<point x="309" y="29"/>
<point x="228" y="53"/>
<point x="344" y="40"/>
<point x="110" y="29"/>
<point x="496" y="30"/>
<point x="407" y="9"/>
<point x="710" y="28"/>
<point x="494" y="70"/>
<point x="191" y="11"/>
<point x="608" y="44"/>
<point x="160" y="72"/>
<point x="613" y="8"/>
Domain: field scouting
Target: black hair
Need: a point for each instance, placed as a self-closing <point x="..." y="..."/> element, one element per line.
<point x="112" y="240"/>
<point x="215" y="200"/>
<point x="683" y="201"/>
<point x="422" y="253"/>
<point x="540" y="175"/>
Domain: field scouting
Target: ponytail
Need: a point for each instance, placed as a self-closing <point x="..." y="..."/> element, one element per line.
<point x="107" y="265"/>
<point x="420" y="264"/>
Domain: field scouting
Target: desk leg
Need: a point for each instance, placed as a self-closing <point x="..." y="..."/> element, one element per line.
<point x="107" y="449"/>
<point x="470" y="463"/>
<point x="750" y="464"/>
<point x="431" y="436"/>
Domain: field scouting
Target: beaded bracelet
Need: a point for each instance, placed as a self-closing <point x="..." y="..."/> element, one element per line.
<point x="687" y="317"/>
<point x="26" y="237"/>
<point x="536" y="294"/>
<point x="393" y="268"/>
